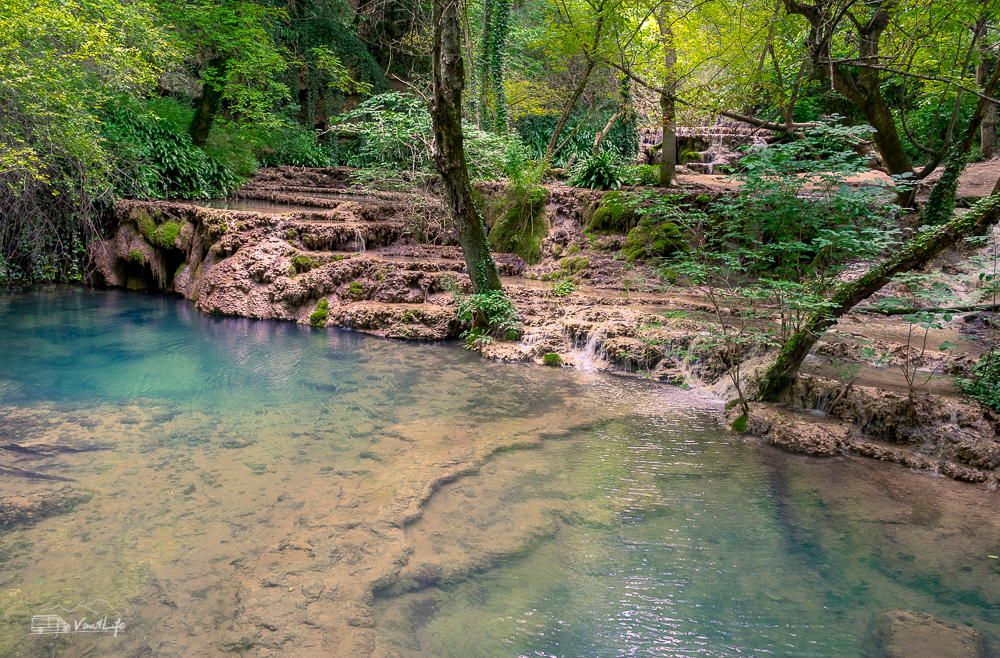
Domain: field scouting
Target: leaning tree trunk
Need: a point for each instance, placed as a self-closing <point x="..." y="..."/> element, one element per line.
<point x="780" y="376"/>
<point x="600" y="136"/>
<point x="208" y="105"/>
<point x="449" y="151"/>
<point x="920" y="249"/>
<point x="553" y="147"/>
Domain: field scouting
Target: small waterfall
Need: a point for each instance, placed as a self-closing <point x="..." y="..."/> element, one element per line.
<point x="592" y="355"/>
<point x="359" y="241"/>
<point x="821" y="402"/>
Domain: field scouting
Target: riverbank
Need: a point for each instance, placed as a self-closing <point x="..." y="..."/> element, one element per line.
<point x="306" y="246"/>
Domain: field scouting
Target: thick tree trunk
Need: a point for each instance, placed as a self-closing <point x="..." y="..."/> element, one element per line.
<point x="668" y="147"/>
<point x="668" y="103"/>
<point x="449" y="151"/>
<point x="920" y="249"/>
<point x="886" y="137"/>
<point x="864" y="90"/>
<point x="208" y="106"/>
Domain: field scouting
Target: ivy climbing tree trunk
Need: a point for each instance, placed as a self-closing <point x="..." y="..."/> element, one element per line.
<point x="449" y="150"/>
<point x="208" y="104"/>
<point x="484" y="74"/>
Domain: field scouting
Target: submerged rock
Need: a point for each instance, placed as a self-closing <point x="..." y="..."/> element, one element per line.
<point x="906" y="634"/>
<point x="19" y="511"/>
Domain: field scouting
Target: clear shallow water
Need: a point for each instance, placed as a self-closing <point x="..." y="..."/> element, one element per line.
<point x="615" y="520"/>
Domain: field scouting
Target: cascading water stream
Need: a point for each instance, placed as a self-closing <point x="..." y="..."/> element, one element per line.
<point x="359" y="241"/>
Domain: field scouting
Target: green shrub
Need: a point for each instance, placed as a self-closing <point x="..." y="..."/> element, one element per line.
<point x="157" y="159"/>
<point x="356" y="290"/>
<point x="491" y="314"/>
<point x="563" y="288"/>
<point x="318" y="316"/>
<point x="778" y="231"/>
<point x="984" y="385"/>
<point x="393" y="131"/>
<point x="645" y="175"/>
<point x="552" y="359"/>
<point x="293" y="144"/>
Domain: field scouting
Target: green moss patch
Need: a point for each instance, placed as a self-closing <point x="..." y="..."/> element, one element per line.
<point x="162" y="235"/>
<point x="740" y="424"/>
<point x="318" y="317"/>
<point x="615" y="215"/>
<point x="552" y="359"/>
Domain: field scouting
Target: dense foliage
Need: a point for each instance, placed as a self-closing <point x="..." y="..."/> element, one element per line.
<point x="159" y="98"/>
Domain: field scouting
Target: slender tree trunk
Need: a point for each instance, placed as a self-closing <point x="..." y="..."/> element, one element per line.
<point x="599" y="137"/>
<point x="988" y="131"/>
<point x="208" y="106"/>
<point x="668" y="103"/>
<point x="449" y="151"/>
<point x="568" y="109"/>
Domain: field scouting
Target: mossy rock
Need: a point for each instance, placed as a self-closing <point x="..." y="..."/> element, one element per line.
<point x="654" y="239"/>
<point x="162" y="235"/>
<point x="614" y="215"/>
<point x="517" y="223"/>
<point x="552" y="359"/>
<point x="571" y="265"/>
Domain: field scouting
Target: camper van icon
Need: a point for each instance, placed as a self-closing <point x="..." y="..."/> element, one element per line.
<point x="98" y="616"/>
<point x="43" y="624"/>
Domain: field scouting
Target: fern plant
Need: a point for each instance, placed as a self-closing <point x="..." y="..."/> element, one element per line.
<point x="601" y="172"/>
